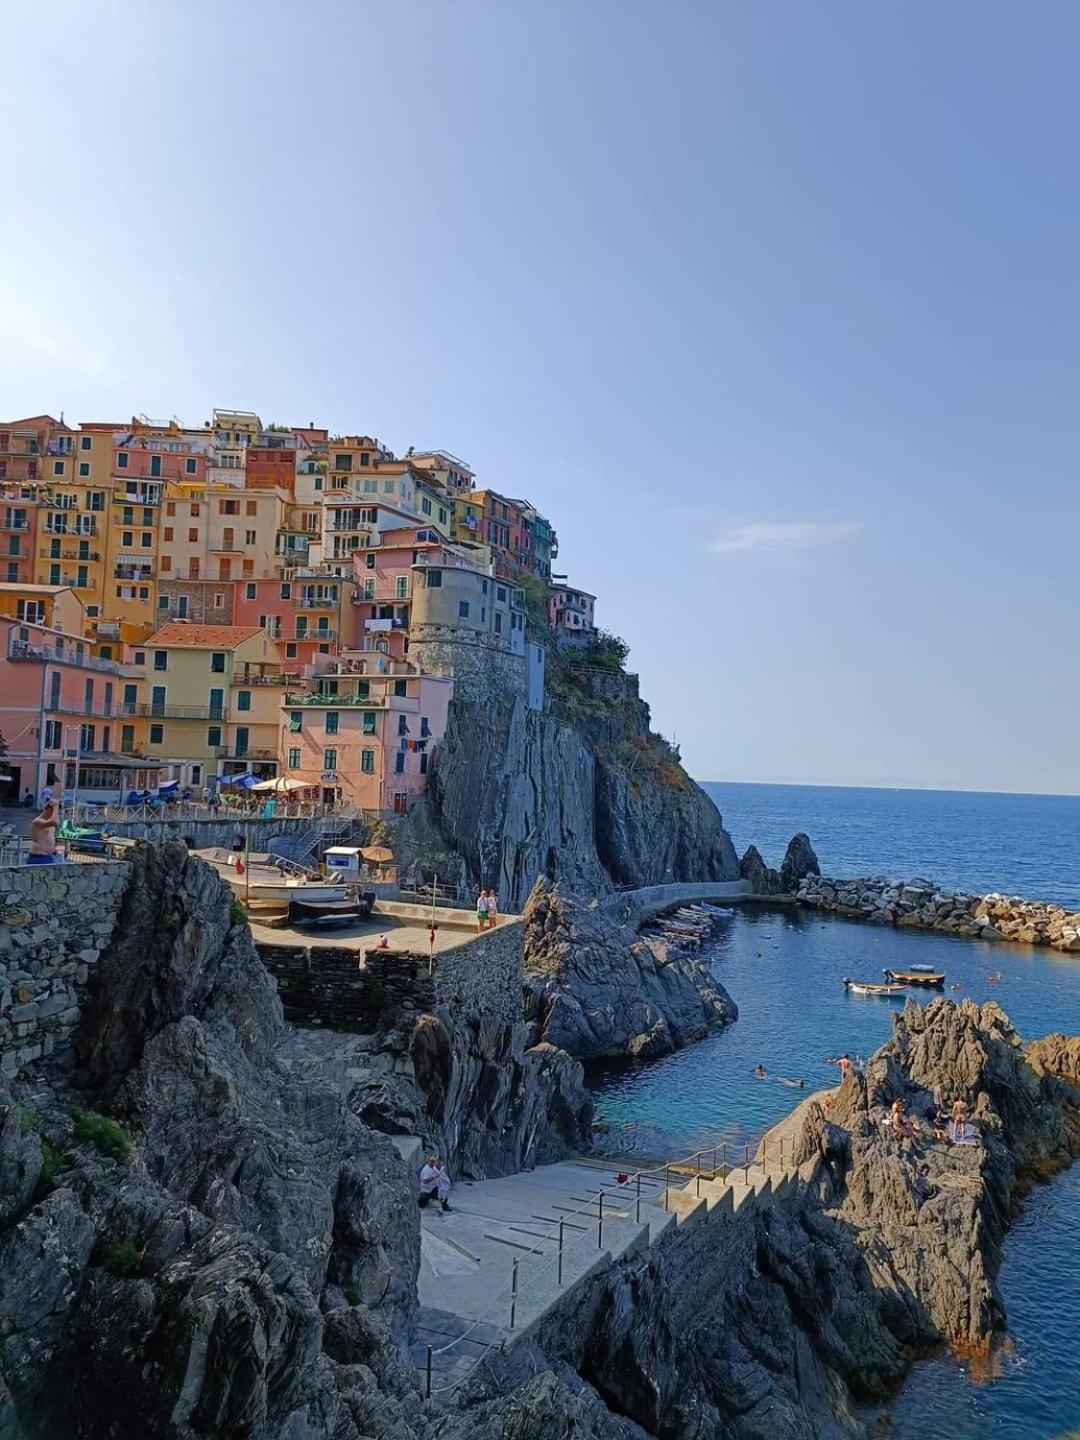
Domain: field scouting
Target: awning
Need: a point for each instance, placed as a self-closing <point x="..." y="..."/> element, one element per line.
<point x="283" y="783"/>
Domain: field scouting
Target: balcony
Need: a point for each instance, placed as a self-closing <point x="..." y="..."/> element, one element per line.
<point x="25" y="650"/>
<point x="244" y="682"/>
<point x="379" y="626"/>
<point x="132" y="572"/>
<point x="335" y="702"/>
<point x="314" y="636"/>
<point x="140" y="710"/>
<point x="249" y="752"/>
<point x="7" y="523"/>
<point x="317" y="602"/>
<point x="143" y="494"/>
<point x="68" y="553"/>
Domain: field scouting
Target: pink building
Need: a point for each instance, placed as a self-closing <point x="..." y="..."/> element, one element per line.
<point x="18" y="533"/>
<point x="365" y="735"/>
<point x="305" y="615"/>
<point x="62" y="718"/>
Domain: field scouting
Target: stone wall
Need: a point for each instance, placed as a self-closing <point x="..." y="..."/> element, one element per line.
<point x="205" y="833"/>
<point x="351" y="988"/>
<point x="634" y="907"/>
<point x="482" y="669"/>
<point x="54" y="922"/>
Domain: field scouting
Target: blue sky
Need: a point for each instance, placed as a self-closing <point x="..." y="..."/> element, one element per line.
<point x="773" y="307"/>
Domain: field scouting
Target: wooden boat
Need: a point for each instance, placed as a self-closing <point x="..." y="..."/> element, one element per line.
<point x="918" y="975"/>
<point x="868" y="987"/>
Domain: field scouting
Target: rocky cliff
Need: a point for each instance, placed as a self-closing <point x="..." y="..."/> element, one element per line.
<point x="198" y="1241"/>
<point x="799" y="862"/>
<point x="590" y="798"/>
<point x="594" y="988"/>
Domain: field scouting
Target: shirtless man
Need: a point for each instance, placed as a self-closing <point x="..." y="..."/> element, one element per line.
<point x="43" y="836"/>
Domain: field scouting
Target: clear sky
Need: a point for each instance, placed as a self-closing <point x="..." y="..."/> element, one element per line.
<point x="772" y="307"/>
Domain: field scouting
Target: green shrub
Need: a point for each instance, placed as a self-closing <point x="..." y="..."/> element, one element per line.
<point x="353" y="1297"/>
<point x="105" y="1135"/>
<point x="123" y="1257"/>
<point x="51" y="1161"/>
<point x="28" y="1119"/>
<point x="237" y="912"/>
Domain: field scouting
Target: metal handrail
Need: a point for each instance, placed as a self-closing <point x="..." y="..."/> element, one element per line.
<point x="512" y="1294"/>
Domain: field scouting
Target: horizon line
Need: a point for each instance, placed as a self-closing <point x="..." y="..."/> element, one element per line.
<point x="916" y="789"/>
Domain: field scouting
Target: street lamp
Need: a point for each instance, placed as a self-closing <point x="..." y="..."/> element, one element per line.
<point x="77" y="747"/>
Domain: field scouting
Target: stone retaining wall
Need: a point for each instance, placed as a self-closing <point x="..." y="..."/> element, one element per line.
<point x="633" y="907"/>
<point x="352" y="988"/>
<point x="922" y="905"/>
<point x="55" y="920"/>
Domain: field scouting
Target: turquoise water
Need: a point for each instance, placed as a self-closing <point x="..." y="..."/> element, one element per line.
<point x="785" y="968"/>
<point x="1021" y="844"/>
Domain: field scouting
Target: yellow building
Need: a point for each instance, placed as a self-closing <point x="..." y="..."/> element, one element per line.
<point x="243" y="528"/>
<point x="211" y="695"/>
<point x="56" y="606"/>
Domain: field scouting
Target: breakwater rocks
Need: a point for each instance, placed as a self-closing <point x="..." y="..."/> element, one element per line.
<point x="596" y="989"/>
<point x="920" y="904"/>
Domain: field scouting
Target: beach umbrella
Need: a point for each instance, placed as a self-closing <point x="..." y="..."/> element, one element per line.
<point x="378" y="854"/>
<point x="283" y="783"/>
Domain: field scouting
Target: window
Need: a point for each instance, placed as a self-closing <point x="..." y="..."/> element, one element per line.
<point x="332" y="719"/>
<point x="219" y="599"/>
<point x="463" y="609"/>
<point x="217" y="704"/>
<point x="402" y="587"/>
<point x="296" y="721"/>
<point x="367" y="761"/>
<point x="139" y="658"/>
<point x="498" y="622"/>
<point x="217" y="662"/>
<point x="157" y="734"/>
<point x="155" y="465"/>
<point x="363" y="689"/>
<point x="330" y="759"/>
<point x="84" y="469"/>
<point x="84" y="442"/>
<point x="181" y="607"/>
<point x="157" y="700"/>
<point x="82" y="579"/>
<point x="402" y="724"/>
<point x="213" y="736"/>
<point x="196" y="774"/>
<point x="434" y="579"/>
<point x="425" y="505"/>
<point x="369" y="561"/>
<point x="58" y="467"/>
<point x="369" y="586"/>
<point x="167" y="533"/>
<point x="144" y="592"/>
<point x="290" y="650"/>
<point x="370" y="720"/>
<point x="191" y="465"/>
<point x="193" y="536"/>
<point x="127" y="739"/>
<point x="170" y="508"/>
<point x="294" y="759"/>
<point x="388" y="487"/>
<point x="243" y="700"/>
<point x="399" y="687"/>
<point x="371" y="487"/>
<point x="54" y="574"/>
<point x="95" y="500"/>
<point x="127" y="539"/>
<point x="342" y="462"/>
<point x="161" y="659"/>
<point x="500" y="593"/>
<point x="251" y="590"/>
<point x="286" y="591"/>
<point x="148" y="517"/>
<point x="249" y="537"/>
<point x="423" y="762"/>
<point x="399" y="763"/>
<point x="251" y="507"/>
<point x="425" y="728"/>
<point x="53" y="735"/>
<point x="227" y="507"/>
<point x="364" y="457"/>
<point x="194" y="509"/>
<point x="442" y="516"/>
<point x="242" y="737"/>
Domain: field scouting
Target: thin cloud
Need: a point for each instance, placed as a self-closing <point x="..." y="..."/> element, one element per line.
<point x="786" y="535"/>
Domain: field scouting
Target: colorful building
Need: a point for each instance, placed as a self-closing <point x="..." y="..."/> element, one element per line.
<point x="365" y="734"/>
<point x="572" y="613"/>
<point x="210" y="694"/>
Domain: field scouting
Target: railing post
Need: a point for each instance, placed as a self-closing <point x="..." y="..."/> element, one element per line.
<point x="746" y="1164"/>
<point x="513" y="1295"/>
<point x="714" y="1163"/>
<point x="637" y="1213"/>
<point x="667" y="1184"/>
<point x="600" y="1227"/>
<point x="697" y="1175"/>
<point x="561" y="1223"/>
<point x="428" y="1386"/>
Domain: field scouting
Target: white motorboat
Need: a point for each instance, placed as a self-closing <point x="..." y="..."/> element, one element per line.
<point x="271" y="879"/>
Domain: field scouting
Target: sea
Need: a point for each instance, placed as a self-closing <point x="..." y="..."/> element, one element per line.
<point x="784" y="968"/>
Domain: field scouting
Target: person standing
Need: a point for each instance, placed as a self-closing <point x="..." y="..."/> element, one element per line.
<point x="434" y="1183"/>
<point x="481" y="911"/>
<point x="492" y="909"/>
<point x="43" y="836"/>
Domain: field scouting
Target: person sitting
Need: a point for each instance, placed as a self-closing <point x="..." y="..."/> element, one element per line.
<point x="384" y="943"/>
<point x="434" y="1183"/>
<point x="902" y="1124"/>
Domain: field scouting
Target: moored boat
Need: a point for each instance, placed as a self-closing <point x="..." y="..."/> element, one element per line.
<point x="917" y="975"/>
<point x="872" y="987"/>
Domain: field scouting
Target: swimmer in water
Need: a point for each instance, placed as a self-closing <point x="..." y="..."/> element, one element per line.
<point x="759" y="1072"/>
<point x="795" y="1084"/>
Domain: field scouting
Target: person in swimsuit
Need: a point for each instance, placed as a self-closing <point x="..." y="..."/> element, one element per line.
<point x="43" y="836"/>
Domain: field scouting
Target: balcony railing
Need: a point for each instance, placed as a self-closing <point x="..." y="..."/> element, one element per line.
<point x="6" y="523"/>
<point x="314" y="635"/>
<point x="25" y="650"/>
<point x="243" y="682"/>
<point x="92" y="556"/>
<point x="132" y="572"/>
<point x="167" y="711"/>
<point x="335" y="702"/>
<point x="376" y="626"/>
<point x="317" y="602"/>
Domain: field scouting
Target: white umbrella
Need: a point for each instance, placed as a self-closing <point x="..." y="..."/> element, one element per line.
<point x="282" y="782"/>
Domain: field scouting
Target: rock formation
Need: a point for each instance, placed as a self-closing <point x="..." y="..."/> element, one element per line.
<point x="920" y="904"/>
<point x="516" y="794"/>
<point x="799" y="862"/>
<point x="196" y="1240"/>
<point x="594" y="988"/>
<point x="801" y="1310"/>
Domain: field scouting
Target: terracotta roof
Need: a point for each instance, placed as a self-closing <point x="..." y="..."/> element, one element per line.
<point x="203" y="637"/>
<point x="15" y="587"/>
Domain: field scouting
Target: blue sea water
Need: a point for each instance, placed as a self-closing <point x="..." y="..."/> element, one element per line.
<point x="784" y="968"/>
<point x="1020" y="844"/>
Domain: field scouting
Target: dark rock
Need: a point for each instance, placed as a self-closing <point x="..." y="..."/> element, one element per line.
<point x="799" y="862"/>
<point x="594" y="988"/>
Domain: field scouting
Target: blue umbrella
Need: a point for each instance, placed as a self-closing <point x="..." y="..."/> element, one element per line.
<point x="244" y="781"/>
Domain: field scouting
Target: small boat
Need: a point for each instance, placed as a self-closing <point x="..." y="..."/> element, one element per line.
<point x="917" y="975"/>
<point x="869" y="987"/>
<point x="341" y="912"/>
